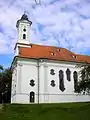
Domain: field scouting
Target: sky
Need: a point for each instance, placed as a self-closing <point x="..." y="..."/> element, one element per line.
<point x="60" y="23"/>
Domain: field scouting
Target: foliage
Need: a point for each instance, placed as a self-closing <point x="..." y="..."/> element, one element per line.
<point x="5" y="84"/>
<point x="1" y="67"/>
<point x="60" y="111"/>
<point x="84" y="83"/>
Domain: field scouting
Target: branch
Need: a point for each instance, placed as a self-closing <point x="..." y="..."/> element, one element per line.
<point x="1" y="67"/>
<point x="37" y="2"/>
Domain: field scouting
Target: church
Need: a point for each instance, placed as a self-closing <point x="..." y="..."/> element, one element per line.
<point x="44" y="74"/>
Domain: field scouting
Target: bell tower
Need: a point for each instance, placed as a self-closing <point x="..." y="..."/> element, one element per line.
<point x="23" y="27"/>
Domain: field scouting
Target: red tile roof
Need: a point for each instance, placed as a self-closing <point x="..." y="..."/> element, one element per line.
<point x="52" y="53"/>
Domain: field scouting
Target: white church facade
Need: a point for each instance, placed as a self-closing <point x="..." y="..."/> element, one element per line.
<point x="44" y="74"/>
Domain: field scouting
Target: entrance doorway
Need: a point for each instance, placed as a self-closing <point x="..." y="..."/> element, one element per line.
<point x="32" y="97"/>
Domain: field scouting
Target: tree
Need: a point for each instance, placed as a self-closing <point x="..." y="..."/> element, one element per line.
<point x="84" y="83"/>
<point x="5" y="85"/>
<point x="1" y="85"/>
<point x="1" y="67"/>
<point x="37" y="1"/>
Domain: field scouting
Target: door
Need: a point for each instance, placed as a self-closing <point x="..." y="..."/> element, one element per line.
<point x="32" y="97"/>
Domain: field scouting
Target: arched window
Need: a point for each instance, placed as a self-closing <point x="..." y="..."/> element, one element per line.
<point x="32" y="97"/>
<point x="68" y="74"/>
<point x="61" y="81"/>
<point x="75" y="77"/>
<point x="24" y="36"/>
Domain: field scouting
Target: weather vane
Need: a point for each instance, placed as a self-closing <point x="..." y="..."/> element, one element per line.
<point x="25" y="11"/>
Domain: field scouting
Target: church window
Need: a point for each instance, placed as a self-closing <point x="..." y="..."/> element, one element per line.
<point x="61" y="81"/>
<point x="32" y="97"/>
<point x="32" y="82"/>
<point x="24" y="30"/>
<point x="52" y="72"/>
<point x="68" y="74"/>
<point x="75" y="76"/>
<point x="53" y="83"/>
<point x="24" y="36"/>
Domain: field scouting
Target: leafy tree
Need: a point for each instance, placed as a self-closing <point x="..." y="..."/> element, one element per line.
<point x="5" y="84"/>
<point x="1" y="67"/>
<point x="1" y="86"/>
<point x="84" y="83"/>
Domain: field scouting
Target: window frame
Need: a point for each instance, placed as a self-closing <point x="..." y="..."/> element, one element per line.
<point x="24" y="36"/>
<point x="68" y="74"/>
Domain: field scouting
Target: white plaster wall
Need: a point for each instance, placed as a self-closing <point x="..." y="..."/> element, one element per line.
<point x="13" y="99"/>
<point x="61" y="98"/>
<point x="23" y="24"/>
<point x="24" y="98"/>
<point x="28" y="69"/>
<point x="14" y="83"/>
<point x="69" y="85"/>
<point x="41" y="83"/>
<point x="64" y="98"/>
<point x="49" y="94"/>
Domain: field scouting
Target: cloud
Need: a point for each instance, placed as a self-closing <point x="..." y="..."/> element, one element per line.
<point x="63" y="23"/>
<point x="69" y="21"/>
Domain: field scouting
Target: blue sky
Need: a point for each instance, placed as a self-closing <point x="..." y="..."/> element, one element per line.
<point x="63" y="23"/>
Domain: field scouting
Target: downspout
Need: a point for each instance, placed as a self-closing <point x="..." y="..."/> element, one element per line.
<point x="38" y="77"/>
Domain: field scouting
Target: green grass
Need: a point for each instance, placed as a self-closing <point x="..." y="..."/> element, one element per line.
<point x="64" y="111"/>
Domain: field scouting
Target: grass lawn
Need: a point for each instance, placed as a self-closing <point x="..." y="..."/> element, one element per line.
<point x="64" y="111"/>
